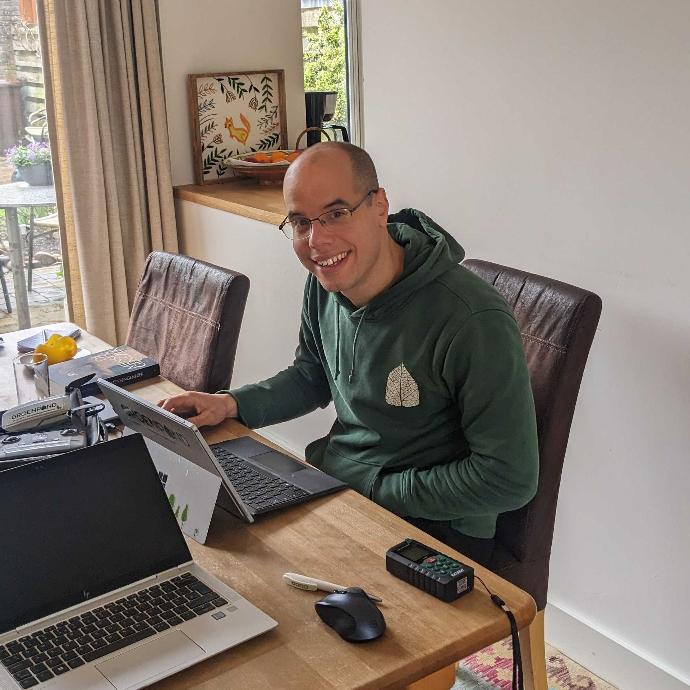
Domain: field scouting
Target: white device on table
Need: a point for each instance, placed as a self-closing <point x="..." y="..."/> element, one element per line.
<point x="98" y="589"/>
<point x="311" y="584"/>
<point x="14" y="446"/>
<point x="34" y="414"/>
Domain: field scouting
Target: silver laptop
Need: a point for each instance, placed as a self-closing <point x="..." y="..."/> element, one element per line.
<point x="97" y="586"/>
<point x="255" y="478"/>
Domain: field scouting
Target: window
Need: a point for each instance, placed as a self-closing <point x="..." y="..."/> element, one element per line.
<point x="25" y="162"/>
<point x="331" y="59"/>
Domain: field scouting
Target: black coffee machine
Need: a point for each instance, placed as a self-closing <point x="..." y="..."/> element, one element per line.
<point x="320" y="106"/>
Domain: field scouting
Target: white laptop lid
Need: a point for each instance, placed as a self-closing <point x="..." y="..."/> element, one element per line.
<point x="192" y="491"/>
<point x="174" y="433"/>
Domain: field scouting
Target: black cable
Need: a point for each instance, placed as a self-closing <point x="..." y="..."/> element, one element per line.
<point x="518" y="683"/>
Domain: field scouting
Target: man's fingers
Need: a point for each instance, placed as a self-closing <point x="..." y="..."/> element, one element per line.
<point x="182" y="401"/>
<point x="202" y="419"/>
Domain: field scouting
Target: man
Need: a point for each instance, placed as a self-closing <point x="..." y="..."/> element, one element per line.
<point x="422" y="360"/>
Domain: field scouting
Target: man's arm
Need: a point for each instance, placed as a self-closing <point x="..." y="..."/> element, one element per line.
<point x="487" y="376"/>
<point x="293" y="392"/>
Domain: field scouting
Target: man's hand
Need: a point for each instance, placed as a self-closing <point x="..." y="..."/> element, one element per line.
<point x="202" y="409"/>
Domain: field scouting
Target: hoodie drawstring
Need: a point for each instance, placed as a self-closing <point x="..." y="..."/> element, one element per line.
<point x="337" y="341"/>
<point x="354" y="345"/>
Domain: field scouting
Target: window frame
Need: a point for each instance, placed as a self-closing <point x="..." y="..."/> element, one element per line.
<point x="353" y="62"/>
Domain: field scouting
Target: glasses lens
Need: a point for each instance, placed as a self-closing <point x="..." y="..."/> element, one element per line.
<point x="338" y="216"/>
<point x="300" y="227"/>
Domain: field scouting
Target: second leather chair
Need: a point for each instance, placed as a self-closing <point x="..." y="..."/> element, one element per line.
<point x="187" y="315"/>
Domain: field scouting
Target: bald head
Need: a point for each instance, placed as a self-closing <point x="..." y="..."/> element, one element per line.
<point x="357" y="160"/>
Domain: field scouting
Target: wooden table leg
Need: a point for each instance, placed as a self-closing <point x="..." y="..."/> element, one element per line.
<point x="17" y="259"/>
<point x="533" y="653"/>
<point x="439" y="680"/>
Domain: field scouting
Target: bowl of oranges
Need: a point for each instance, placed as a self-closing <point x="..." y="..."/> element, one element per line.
<point x="267" y="167"/>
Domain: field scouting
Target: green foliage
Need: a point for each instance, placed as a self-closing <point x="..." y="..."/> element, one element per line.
<point x="185" y="514"/>
<point x="171" y="500"/>
<point x="324" y="58"/>
<point x="206" y="105"/>
<point x="208" y="128"/>
<point x="26" y="155"/>
<point x="235" y="83"/>
<point x="266" y="92"/>
<point x="215" y="157"/>
<point x="267" y="143"/>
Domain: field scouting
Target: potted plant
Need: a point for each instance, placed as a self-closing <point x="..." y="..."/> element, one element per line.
<point x="32" y="162"/>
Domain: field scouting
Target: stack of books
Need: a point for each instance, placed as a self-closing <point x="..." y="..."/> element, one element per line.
<point x="120" y="365"/>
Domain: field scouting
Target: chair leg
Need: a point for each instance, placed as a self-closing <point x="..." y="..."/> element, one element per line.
<point x="443" y="679"/>
<point x="533" y="653"/>
<point x="5" y="291"/>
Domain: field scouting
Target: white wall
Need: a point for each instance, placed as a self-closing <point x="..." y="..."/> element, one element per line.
<point x="216" y="35"/>
<point x="554" y="136"/>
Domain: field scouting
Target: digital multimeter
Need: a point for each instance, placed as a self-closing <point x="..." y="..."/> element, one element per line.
<point x="429" y="570"/>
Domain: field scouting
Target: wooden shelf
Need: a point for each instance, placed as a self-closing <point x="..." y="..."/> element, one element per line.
<point x="241" y="197"/>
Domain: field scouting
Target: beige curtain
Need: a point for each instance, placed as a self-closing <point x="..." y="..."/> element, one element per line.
<point x="108" y="130"/>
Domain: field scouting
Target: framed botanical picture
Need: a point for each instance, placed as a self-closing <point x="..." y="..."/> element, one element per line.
<point x="233" y="113"/>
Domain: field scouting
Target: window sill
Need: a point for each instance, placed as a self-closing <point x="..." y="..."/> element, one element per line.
<point x="242" y="197"/>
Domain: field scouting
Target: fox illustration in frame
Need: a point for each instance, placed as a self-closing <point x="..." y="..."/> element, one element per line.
<point x="233" y="113"/>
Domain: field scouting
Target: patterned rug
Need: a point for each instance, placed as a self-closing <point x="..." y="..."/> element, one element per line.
<point x="492" y="669"/>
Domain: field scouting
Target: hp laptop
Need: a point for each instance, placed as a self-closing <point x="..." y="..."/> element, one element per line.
<point x="97" y="586"/>
<point x="256" y="478"/>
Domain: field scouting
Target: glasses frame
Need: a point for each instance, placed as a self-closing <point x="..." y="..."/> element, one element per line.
<point x="282" y="227"/>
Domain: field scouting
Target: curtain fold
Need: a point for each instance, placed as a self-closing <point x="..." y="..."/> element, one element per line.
<point x="108" y="131"/>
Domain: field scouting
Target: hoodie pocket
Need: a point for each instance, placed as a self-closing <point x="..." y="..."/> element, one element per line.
<point x="359" y="476"/>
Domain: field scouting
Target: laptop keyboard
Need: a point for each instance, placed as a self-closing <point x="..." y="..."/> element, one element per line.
<point x="60" y="648"/>
<point x="261" y="491"/>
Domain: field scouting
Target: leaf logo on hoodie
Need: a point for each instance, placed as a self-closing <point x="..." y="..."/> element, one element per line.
<point x="401" y="388"/>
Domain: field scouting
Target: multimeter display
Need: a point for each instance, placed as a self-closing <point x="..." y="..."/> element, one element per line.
<point x="414" y="551"/>
<point x="429" y="570"/>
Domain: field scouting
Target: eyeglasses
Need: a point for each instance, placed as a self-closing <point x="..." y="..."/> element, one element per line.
<point x="299" y="227"/>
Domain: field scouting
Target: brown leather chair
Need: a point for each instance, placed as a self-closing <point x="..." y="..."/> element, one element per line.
<point x="557" y="322"/>
<point x="187" y="315"/>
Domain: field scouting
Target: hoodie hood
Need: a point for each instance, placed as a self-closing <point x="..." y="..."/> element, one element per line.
<point x="429" y="252"/>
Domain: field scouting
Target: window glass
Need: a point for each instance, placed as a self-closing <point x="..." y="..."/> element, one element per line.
<point x="324" y="42"/>
<point x="25" y="161"/>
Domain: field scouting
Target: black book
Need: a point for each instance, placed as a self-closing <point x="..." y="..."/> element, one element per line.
<point x="120" y="365"/>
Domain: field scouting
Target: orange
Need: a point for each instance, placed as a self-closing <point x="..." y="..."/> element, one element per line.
<point x="262" y="158"/>
<point x="277" y="156"/>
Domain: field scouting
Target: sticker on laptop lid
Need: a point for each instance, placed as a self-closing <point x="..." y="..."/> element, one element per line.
<point x="191" y="490"/>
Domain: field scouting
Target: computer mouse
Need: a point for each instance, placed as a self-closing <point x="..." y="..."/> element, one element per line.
<point x="352" y="615"/>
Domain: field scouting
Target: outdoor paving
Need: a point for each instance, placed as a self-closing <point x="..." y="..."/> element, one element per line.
<point x="46" y="299"/>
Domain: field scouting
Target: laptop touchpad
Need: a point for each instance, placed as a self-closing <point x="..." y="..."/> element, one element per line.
<point x="279" y="463"/>
<point x="134" y="666"/>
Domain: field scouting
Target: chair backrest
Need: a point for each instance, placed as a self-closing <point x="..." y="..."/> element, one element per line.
<point x="187" y="315"/>
<point x="557" y="322"/>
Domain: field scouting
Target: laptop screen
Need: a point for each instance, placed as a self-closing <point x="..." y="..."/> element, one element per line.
<point x="82" y="524"/>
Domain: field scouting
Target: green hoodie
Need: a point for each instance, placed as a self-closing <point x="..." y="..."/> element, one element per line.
<point x="435" y="416"/>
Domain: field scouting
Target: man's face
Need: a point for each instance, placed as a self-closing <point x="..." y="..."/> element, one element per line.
<point x="343" y="259"/>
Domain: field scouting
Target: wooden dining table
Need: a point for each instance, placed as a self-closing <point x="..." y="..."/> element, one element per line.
<point x="339" y="538"/>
